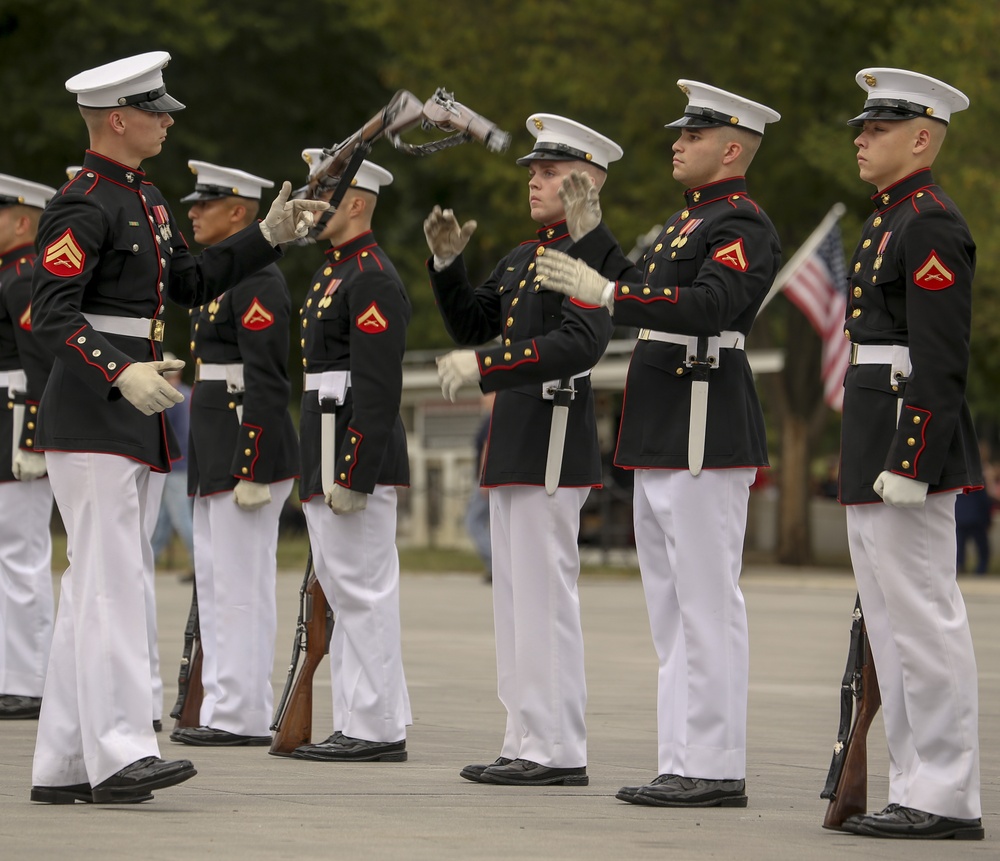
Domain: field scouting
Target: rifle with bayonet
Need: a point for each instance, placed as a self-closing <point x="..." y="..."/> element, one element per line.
<point x="190" y="692"/>
<point x="403" y="112"/>
<point x="847" y="780"/>
<point x="292" y="724"/>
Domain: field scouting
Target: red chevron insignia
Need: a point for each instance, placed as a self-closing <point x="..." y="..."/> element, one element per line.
<point x="732" y="255"/>
<point x="64" y="257"/>
<point x="933" y="274"/>
<point x="372" y="320"/>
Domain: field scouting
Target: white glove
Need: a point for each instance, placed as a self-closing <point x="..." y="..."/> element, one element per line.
<point x="565" y="274"/>
<point x="142" y="385"/>
<point x="456" y="369"/>
<point x="28" y="465"/>
<point x="251" y="495"/>
<point x="289" y="219"/>
<point x="345" y="501"/>
<point x="581" y="203"/>
<point x="900" y="491"/>
<point x="445" y="238"/>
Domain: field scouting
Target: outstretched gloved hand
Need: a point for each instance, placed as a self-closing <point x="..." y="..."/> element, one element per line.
<point x="565" y="274"/>
<point x="143" y="386"/>
<point x="289" y="219"/>
<point x="581" y="203"/>
<point x="900" y="491"/>
<point x="445" y="238"/>
<point x="456" y="369"/>
<point x="28" y="465"/>
<point x="251" y="495"/>
<point x="343" y="500"/>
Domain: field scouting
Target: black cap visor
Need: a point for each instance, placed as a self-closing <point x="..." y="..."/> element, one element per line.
<point x="892" y="109"/>
<point x="556" y="152"/>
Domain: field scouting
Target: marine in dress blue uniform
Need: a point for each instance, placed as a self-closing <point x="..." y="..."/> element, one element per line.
<point x="908" y="446"/>
<point x="529" y="342"/>
<point x="692" y="430"/>
<point x="242" y="459"/>
<point x="353" y="336"/>
<point x="26" y="604"/>
<point x="110" y="252"/>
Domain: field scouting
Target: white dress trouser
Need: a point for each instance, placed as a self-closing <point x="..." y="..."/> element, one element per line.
<point x="154" y="499"/>
<point x="26" y="604"/>
<point x="689" y="534"/>
<point x="358" y="568"/>
<point x="536" y="617"/>
<point x="904" y="564"/>
<point x="96" y="704"/>
<point x="235" y="567"/>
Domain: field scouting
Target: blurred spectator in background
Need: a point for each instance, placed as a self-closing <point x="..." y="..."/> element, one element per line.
<point x="974" y="514"/>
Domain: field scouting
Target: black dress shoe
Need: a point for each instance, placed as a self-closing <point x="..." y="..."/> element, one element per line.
<point x="142" y="776"/>
<point x="157" y="726"/>
<point x="628" y="793"/>
<point x="74" y="793"/>
<point x="908" y="823"/>
<point x="673" y="790"/>
<point x="475" y="772"/>
<point x="341" y="748"/>
<point x="524" y="772"/>
<point x="17" y="707"/>
<point x="206" y="736"/>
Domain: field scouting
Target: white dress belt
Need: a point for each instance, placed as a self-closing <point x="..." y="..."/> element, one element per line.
<point x="897" y="355"/>
<point x="331" y="385"/>
<point x="550" y="387"/>
<point x="729" y="340"/>
<point x="131" y="327"/>
<point x="231" y="374"/>
<point x="14" y="381"/>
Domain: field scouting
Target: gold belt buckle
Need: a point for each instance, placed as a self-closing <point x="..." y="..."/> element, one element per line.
<point x="156" y="330"/>
<point x="643" y="335"/>
<point x="854" y="354"/>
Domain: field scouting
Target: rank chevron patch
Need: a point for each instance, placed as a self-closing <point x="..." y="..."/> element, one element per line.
<point x="732" y="255"/>
<point x="933" y="274"/>
<point x="371" y="320"/>
<point x="64" y="257"/>
<point x="257" y="317"/>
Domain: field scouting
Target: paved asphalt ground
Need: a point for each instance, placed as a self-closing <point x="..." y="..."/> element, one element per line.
<point x="245" y="804"/>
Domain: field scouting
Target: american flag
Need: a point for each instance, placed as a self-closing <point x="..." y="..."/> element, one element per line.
<point x="818" y="288"/>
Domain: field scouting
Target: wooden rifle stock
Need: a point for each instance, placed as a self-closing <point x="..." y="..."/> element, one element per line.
<point x="847" y="781"/>
<point x="187" y="708"/>
<point x="292" y="724"/>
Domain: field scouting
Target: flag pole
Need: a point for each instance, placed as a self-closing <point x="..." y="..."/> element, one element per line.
<point x="806" y="249"/>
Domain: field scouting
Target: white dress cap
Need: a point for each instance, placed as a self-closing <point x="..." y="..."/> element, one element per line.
<point x="898" y="94"/>
<point x="709" y="106"/>
<point x="214" y="182"/>
<point x="561" y="139"/>
<point x="371" y="177"/>
<point x="20" y="192"/>
<point x="136" y="81"/>
<point x="72" y="170"/>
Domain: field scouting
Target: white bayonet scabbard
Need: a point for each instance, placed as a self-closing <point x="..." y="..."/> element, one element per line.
<point x="697" y="425"/>
<point x="557" y="444"/>
<point x="328" y="448"/>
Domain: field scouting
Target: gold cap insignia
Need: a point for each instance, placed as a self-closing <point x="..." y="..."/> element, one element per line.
<point x="307" y="158"/>
<point x="684" y="89"/>
<point x="538" y="123"/>
<point x="871" y="80"/>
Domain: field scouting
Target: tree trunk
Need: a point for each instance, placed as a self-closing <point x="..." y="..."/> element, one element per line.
<point x="803" y="390"/>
